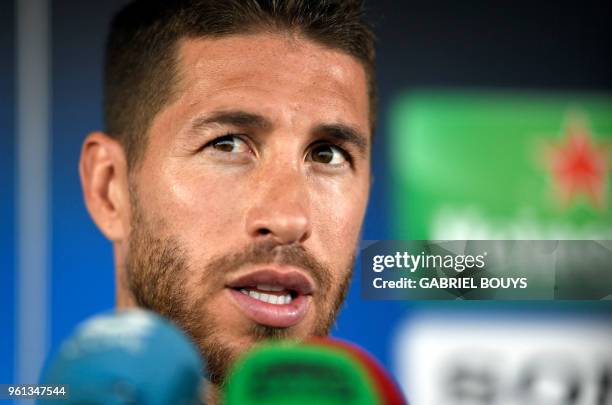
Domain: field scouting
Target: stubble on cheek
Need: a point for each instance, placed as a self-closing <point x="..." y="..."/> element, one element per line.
<point x="160" y="279"/>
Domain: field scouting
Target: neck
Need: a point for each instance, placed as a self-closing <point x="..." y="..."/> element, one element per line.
<point x="123" y="296"/>
<point x="212" y="394"/>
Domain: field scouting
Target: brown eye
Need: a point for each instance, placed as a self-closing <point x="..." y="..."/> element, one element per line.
<point x="327" y="154"/>
<point x="230" y="144"/>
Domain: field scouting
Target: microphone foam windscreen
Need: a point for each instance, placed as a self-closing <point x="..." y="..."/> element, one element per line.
<point x="311" y="373"/>
<point x="387" y="389"/>
<point x="132" y="356"/>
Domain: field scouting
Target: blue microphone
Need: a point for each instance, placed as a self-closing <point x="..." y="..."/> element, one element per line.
<point x="128" y="357"/>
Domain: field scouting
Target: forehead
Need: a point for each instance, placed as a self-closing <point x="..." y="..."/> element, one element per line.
<point x="272" y="71"/>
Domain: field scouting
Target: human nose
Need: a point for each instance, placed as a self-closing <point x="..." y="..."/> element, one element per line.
<point x="280" y="211"/>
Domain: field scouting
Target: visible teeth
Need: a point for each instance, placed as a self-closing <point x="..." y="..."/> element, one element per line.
<point x="254" y="294"/>
<point x="268" y="287"/>
<point x="269" y="298"/>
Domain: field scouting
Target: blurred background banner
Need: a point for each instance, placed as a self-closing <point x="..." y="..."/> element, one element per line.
<point x="495" y="122"/>
<point x="501" y="165"/>
<point x="468" y="358"/>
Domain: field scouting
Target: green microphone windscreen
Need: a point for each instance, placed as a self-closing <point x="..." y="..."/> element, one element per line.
<point x="299" y="374"/>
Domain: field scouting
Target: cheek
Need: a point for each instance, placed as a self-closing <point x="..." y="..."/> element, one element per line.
<point x="337" y="219"/>
<point x="197" y="205"/>
<point x="197" y="208"/>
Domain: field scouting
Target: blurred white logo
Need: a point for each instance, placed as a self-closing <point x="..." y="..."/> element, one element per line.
<point x="476" y="358"/>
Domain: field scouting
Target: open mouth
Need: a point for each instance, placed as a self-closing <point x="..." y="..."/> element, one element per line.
<point x="273" y="298"/>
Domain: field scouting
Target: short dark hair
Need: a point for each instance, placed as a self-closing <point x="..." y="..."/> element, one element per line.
<point x="140" y="65"/>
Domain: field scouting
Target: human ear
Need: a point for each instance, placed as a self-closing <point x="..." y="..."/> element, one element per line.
<point x="104" y="178"/>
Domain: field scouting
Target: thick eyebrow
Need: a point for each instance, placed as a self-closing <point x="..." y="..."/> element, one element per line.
<point x="344" y="134"/>
<point x="338" y="131"/>
<point x="236" y="118"/>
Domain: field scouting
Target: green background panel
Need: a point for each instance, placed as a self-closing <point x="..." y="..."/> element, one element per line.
<point x="473" y="164"/>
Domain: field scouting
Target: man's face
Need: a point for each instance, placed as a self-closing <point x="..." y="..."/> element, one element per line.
<point x="247" y="208"/>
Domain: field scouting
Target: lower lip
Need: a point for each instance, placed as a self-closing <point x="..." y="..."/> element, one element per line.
<point x="278" y="316"/>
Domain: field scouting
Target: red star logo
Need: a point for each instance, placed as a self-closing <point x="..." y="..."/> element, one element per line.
<point x="578" y="165"/>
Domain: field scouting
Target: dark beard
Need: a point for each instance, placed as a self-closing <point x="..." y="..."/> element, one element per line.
<point x="157" y="275"/>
